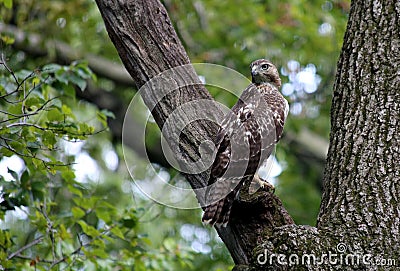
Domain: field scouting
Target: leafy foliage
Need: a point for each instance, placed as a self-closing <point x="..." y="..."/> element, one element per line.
<point x="67" y="223"/>
<point x="7" y="3"/>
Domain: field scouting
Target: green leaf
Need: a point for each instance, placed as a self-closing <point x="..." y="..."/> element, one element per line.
<point x="169" y="244"/>
<point x="82" y="70"/>
<point x="25" y="178"/>
<point x="33" y="145"/>
<point x="129" y="223"/>
<point x="85" y="129"/>
<point x="56" y="104"/>
<point x="66" y="110"/>
<point x="49" y="139"/>
<point x="55" y="115"/>
<point x="51" y="68"/>
<point x="23" y="74"/>
<point x="79" y="63"/>
<point x="63" y="233"/>
<point x="86" y="203"/>
<point x="40" y="221"/>
<point x="68" y="176"/>
<point x="19" y="146"/>
<point x="117" y="232"/>
<point x="89" y="230"/>
<point x="99" y="243"/>
<point x="38" y="189"/>
<point x="7" y="39"/>
<point x="62" y="76"/>
<point x="6" y="152"/>
<point x="103" y="215"/>
<point x="146" y="240"/>
<point x="69" y="91"/>
<point x="77" y="212"/>
<point x="4" y="130"/>
<point x="33" y="103"/>
<point x="100" y="253"/>
<point x="75" y="191"/>
<point x="59" y="86"/>
<point x="5" y="239"/>
<point x="38" y="163"/>
<point x="79" y="81"/>
<point x="108" y="113"/>
<point x="102" y="116"/>
<point x="15" y="109"/>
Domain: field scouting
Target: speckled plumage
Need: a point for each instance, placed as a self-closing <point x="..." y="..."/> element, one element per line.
<point x="247" y="137"/>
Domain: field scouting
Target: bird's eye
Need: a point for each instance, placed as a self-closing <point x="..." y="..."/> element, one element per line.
<point x="264" y="66"/>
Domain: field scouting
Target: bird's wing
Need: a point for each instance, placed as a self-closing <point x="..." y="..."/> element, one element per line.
<point x="236" y="131"/>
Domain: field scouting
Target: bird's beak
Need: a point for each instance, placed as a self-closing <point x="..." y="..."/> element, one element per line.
<point x="254" y="71"/>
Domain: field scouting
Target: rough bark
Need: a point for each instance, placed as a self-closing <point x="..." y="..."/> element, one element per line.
<point x="362" y="177"/>
<point x="360" y="203"/>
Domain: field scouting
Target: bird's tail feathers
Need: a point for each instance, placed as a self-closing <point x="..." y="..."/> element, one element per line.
<point x="218" y="213"/>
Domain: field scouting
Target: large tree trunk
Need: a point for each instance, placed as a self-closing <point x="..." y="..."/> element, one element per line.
<point x="360" y="206"/>
<point x="360" y="215"/>
<point x="362" y="177"/>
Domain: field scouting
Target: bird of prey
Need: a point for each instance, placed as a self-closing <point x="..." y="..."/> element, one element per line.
<point x="246" y="138"/>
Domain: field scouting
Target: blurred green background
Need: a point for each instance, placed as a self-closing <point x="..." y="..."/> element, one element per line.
<point x="93" y="198"/>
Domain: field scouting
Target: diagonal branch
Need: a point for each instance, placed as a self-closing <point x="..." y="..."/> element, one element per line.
<point x="148" y="45"/>
<point x="27" y="246"/>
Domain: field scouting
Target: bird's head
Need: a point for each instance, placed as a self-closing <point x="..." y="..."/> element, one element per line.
<point x="263" y="71"/>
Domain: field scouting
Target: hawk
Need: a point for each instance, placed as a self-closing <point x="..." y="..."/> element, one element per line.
<point x="246" y="138"/>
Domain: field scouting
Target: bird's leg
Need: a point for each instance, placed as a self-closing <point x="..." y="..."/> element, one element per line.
<point x="258" y="183"/>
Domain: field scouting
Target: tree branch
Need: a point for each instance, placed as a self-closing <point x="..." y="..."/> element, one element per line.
<point x="27" y="246"/>
<point x="148" y="45"/>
